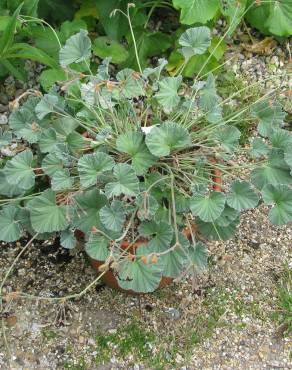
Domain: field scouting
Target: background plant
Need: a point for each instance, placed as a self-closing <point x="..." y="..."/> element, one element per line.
<point x="156" y="24"/>
<point x="133" y="156"/>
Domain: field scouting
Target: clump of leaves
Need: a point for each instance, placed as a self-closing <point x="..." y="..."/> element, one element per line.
<point x="138" y="157"/>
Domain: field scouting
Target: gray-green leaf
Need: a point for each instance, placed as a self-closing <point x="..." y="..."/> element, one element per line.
<point x="241" y="196"/>
<point x="208" y="207"/>
<point x="76" y="50"/>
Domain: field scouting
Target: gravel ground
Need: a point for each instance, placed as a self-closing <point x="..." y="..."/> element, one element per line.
<point x="227" y="322"/>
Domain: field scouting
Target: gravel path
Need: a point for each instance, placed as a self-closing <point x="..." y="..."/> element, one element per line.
<point x="227" y="322"/>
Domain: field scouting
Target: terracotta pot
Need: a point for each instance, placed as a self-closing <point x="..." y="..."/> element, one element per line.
<point x="109" y="278"/>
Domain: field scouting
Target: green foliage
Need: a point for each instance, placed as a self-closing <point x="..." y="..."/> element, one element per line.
<point x="133" y="157"/>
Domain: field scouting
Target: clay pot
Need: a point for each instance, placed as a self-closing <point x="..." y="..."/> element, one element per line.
<point x="109" y="278"/>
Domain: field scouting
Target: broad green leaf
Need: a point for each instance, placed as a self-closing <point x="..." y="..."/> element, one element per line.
<point x="126" y="182"/>
<point x="198" y="256"/>
<point x="115" y="26"/>
<point x="175" y="260"/>
<point x="51" y="76"/>
<point x="75" y="141"/>
<point x="259" y="148"/>
<point x="9" y="190"/>
<point x="97" y="247"/>
<point x="19" y="170"/>
<point x="104" y="47"/>
<point x="213" y="231"/>
<point x="169" y="136"/>
<point x="46" y="215"/>
<point x="256" y="14"/>
<point x="167" y="96"/>
<point x="270" y="115"/>
<point x="132" y="84"/>
<point x="228" y="137"/>
<point x="51" y="164"/>
<point x="196" y="11"/>
<point x="48" y="140"/>
<point x="5" y="138"/>
<point x="67" y="239"/>
<point x="69" y="28"/>
<point x="24" y="121"/>
<point x="281" y="197"/>
<point x="132" y="143"/>
<point x="92" y="165"/>
<point x="270" y="174"/>
<point x="241" y="196"/>
<point x="227" y="216"/>
<point x="77" y="49"/>
<point x="61" y="180"/>
<point x="10" y="227"/>
<point x="208" y="207"/>
<point x="86" y="210"/>
<point x="113" y="217"/>
<point x="160" y="234"/>
<point x="139" y="276"/>
<point x="48" y="104"/>
<point x="195" y="41"/>
<point x="280" y="139"/>
<point x="280" y="18"/>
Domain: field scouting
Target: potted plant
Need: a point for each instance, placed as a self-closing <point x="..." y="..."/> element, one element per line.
<point x="141" y="164"/>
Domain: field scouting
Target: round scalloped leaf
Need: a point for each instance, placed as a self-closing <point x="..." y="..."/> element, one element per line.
<point x="213" y="231"/>
<point x="174" y="261"/>
<point x="198" y="256"/>
<point x="86" y="209"/>
<point x="196" y="11"/>
<point x="142" y="275"/>
<point x="67" y="239"/>
<point x="76" y="49"/>
<point x="228" y="137"/>
<point x="24" y="122"/>
<point x="10" y="227"/>
<point x="280" y="139"/>
<point x="167" y="95"/>
<point x="19" y="170"/>
<point x="169" y="136"/>
<point x="97" y="247"/>
<point x="241" y="196"/>
<point x="61" y="180"/>
<point x="48" y="104"/>
<point x="91" y="165"/>
<point x="51" y="164"/>
<point x="9" y="190"/>
<point x="270" y="115"/>
<point x="159" y="233"/>
<point x="270" y="174"/>
<point x="132" y="84"/>
<point x="126" y="183"/>
<point x="259" y="148"/>
<point x="132" y="143"/>
<point x="281" y="197"/>
<point x="195" y="41"/>
<point x="207" y="207"/>
<point x="227" y="216"/>
<point x="113" y="217"/>
<point x="45" y="215"/>
<point x="48" y="140"/>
